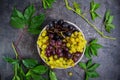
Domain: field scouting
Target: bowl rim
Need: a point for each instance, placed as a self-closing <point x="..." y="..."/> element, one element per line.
<point x="82" y="52"/>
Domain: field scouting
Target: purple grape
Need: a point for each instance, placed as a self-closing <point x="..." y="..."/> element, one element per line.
<point x="60" y="22"/>
<point x="60" y="54"/>
<point x="75" y="59"/>
<point x="51" y="36"/>
<point x="78" y="54"/>
<point x="53" y="52"/>
<point x="48" y="55"/>
<point x="52" y="42"/>
<point x="69" y="55"/>
<point x="58" y="43"/>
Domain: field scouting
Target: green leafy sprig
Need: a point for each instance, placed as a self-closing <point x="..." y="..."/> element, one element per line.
<point x="77" y="11"/>
<point x="108" y="22"/>
<point x="47" y="3"/>
<point x="93" y="7"/>
<point x="34" y="71"/>
<point x="92" y="48"/>
<point x="27" y="19"/>
<point x="90" y="69"/>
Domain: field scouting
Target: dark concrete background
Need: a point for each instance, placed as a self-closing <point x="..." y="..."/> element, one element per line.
<point x="108" y="57"/>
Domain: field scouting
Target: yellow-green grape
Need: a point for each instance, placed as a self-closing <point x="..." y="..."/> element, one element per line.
<point x="44" y="33"/>
<point x="75" y="42"/>
<point x="68" y="44"/>
<point x="70" y="73"/>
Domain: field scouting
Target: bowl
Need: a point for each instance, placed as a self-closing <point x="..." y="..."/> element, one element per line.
<point x="56" y="60"/>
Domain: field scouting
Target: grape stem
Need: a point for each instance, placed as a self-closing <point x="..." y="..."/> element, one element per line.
<point x="92" y="25"/>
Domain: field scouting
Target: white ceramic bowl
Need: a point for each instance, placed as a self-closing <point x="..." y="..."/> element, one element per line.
<point x="78" y="30"/>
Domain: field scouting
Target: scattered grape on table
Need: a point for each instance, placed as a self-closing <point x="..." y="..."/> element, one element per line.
<point x="61" y="44"/>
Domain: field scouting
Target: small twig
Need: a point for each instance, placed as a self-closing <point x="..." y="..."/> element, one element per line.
<point x="20" y="36"/>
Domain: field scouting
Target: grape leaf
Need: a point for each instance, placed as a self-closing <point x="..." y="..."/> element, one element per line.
<point x="108" y="22"/>
<point x="89" y="63"/>
<point x="28" y="13"/>
<point x="92" y="48"/>
<point x="93" y="67"/>
<point x="52" y="75"/>
<point x="29" y="63"/>
<point x="40" y="69"/>
<point x="10" y="60"/>
<point x="36" y="22"/>
<point x="92" y="74"/>
<point x="17" y="19"/>
<point x="93" y="7"/>
<point x="77" y="7"/>
<point x="47" y="3"/>
<point x="82" y="65"/>
<point x="87" y="52"/>
<point x="89" y="69"/>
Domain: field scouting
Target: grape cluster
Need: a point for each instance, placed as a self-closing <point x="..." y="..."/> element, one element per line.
<point x="61" y="44"/>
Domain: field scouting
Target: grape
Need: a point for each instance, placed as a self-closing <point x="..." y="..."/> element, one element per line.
<point x="50" y="25"/>
<point x="71" y="27"/>
<point x="48" y="54"/>
<point x="51" y="36"/>
<point x="60" y="54"/>
<point x="53" y="52"/>
<point x="67" y="33"/>
<point x="60" y="22"/>
<point x="69" y="55"/>
<point x="49" y="47"/>
<point x="66" y="49"/>
<point x="55" y="22"/>
<point x="56" y="37"/>
<point x="58" y="50"/>
<point x="65" y="25"/>
<point x="58" y="43"/>
<point x="75" y="59"/>
<point x="78" y="54"/>
<point x="52" y="42"/>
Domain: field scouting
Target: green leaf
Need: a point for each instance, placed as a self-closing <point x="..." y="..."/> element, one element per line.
<point x="52" y="75"/>
<point x="89" y="63"/>
<point x="94" y="41"/>
<point x="16" y="78"/>
<point x="37" y="77"/>
<point x="94" y="6"/>
<point x="41" y="69"/>
<point x="28" y="13"/>
<point x="47" y="3"/>
<point x="109" y="27"/>
<point x="93" y="51"/>
<point x="110" y="19"/>
<point x="107" y="14"/>
<point x="17" y="19"/>
<point x="93" y="74"/>
<point x="93" y="67"/>
<point x="87" y="52"/>
<point x="10" y="60"/>
<point x="94" y="15"/>
<point x="29" y="63"/>
<point x="21" y="73"/>
<point x="28" y="74"/>
<point x="77" y="7"/>
<point x="36" y="22"/>
<point x="82" y="65"/>
<point x="108" y="22"/>
<point x="96" y="45"/>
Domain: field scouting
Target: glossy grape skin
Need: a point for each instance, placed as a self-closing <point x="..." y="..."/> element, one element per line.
<point x="65" y="25"/>
<point x="60" y="22"/>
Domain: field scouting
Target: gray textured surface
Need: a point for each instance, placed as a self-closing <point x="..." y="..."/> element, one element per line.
<point x="108" y="57"/>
